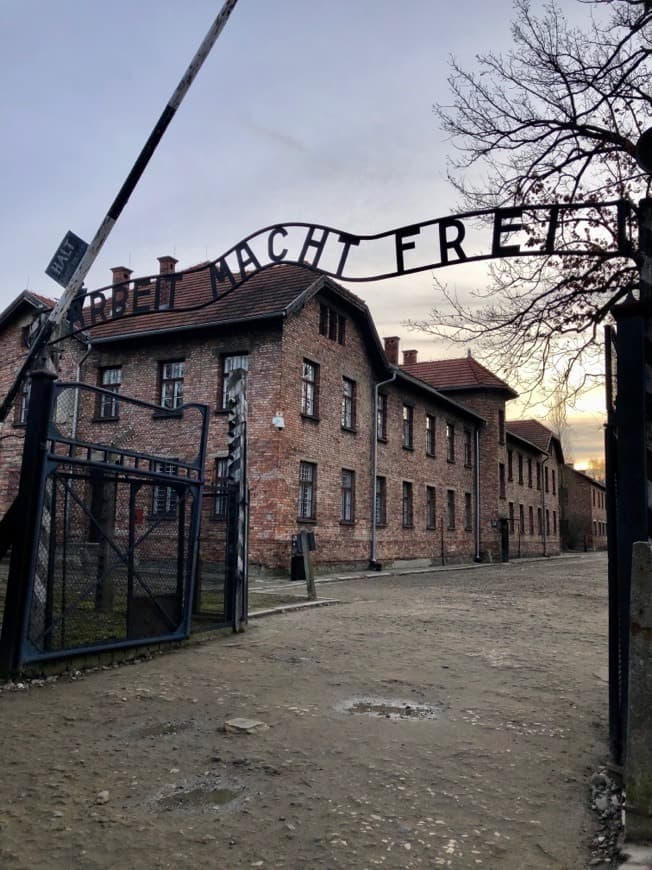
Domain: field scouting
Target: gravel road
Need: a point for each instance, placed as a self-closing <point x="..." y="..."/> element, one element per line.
<point x="450" y="719"/>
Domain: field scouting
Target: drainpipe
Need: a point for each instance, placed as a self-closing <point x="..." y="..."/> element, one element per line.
<point x="374" y="468"/>
<point x="477" y="493"/>
<point x="543" y="505"/>
<point x="75" y="407"/>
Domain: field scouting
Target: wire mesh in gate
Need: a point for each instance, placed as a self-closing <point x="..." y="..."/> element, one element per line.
<point x="116" y="553"/>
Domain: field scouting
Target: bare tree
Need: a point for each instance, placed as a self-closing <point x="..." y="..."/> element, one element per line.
<point x="557" y="419"/>
<point x="556" y="119"/>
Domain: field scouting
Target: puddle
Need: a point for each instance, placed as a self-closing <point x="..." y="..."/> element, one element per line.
<point x="203" y="796"/>
<point x="164" y="729"/>
<point x="389" y="708"/>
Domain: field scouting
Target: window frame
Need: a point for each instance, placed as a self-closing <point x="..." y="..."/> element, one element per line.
<point x="169" y="493"/>
<point x="111" y="401"/>
<point x="431" y="507"/>
<point x="451" y="509"/>
<point x="502" y="489"/>
<point x="164" y="382"/>
<point x="381" y="417"/>
<point x="468" y="448"/>
<point x="349" y="404"/>
<point x="431" y="435"/>
<point x="310" y="390"/>
<point x="307" y="485"/>
<point x="347" y="506"/>
<point x="450" y="441"/>
<point x="407" y="505"/>
<point x="408" y="427"/>
<point x="468" y="512"/>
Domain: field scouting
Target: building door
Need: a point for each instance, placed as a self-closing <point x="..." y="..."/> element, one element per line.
<point x="504" y="539"/>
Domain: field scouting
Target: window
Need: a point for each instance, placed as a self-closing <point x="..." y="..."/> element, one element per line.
<point x="554" y="522"/>
<point x="450" y="442"/>
<point x="107" y="406"/>
<point x="310" y="389"/>
<point x="408" y="516"/>
<point x="172" y="383"/>
<point x="501" y="479"/>
<point x="348" y="496"/>
<point x="381" y="417"/>
<point x="467" y="449"/>
<point x="431" y="508"/>
<point x="307" y="490"/>
<point x="547" y="476"/>
<point x="430" y="435"/>
<point x="22" y="402"/>
<point x="231" y="363"/>
<point x="547" y="521"/>
<point x="332" y="324"/>
<point x="521" y="520"/>
<point x="450" y="505"/>
<point x="165" y="498"/>
<point x="468" y="512"/>
<point x="529" y="472"/>
<point x="593" y="494"/>
<point x="531" y="518"/>
<point x="348" y="404"/>
<point x="501" y="427"/>
<point x="221" y="479"/>
<point x="510" y="465"/>
<point x="381" y="501"/>
<point x="408" y="427"/>
<point x="511" y="517"/>
<point x="538" y="475"/>
<point x="520" y="468"/>
<point x="554" y="482"/>
<point x="539" y="521"/>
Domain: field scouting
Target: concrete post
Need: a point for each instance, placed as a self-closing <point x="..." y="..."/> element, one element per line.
<point x="638" y="755"/>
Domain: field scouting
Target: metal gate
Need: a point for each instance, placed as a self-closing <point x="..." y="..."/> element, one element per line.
<point x="106" y="551"/>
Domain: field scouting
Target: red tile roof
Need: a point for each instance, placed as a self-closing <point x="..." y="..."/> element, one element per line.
<point x="455" y="374"/>
<point x="533" y="431"/>
<point x="266" y="294"/>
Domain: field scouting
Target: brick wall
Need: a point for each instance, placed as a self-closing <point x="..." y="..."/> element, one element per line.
<point x="585" y="514"/>
<point x="543" y="536"/>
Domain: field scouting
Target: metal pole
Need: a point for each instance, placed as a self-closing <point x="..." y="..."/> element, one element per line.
<point x="52" y="327"/>
<point x="645" y="253"/>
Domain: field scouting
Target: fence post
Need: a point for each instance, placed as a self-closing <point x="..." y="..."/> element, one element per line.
<point x="27" y="513"/>
<point x="638" y="769"/>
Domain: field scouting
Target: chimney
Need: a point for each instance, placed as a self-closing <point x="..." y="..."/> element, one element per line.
<point x="391" y="349"/>
<point x="409" y="357"/>
<point x="120" y="275"/>
<point x="167" y="265"/>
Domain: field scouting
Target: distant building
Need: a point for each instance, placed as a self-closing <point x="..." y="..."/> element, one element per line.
<point x="584" y="511"/>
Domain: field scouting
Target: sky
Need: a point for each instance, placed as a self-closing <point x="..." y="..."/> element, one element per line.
<point x="315" y="111"/>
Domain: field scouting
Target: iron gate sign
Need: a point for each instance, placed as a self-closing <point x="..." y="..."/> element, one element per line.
<point x="567" y="229"/>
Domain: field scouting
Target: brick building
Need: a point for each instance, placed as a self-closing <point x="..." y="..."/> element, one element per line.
<point x="383" y="461"/>
<point x="584" y="524"/>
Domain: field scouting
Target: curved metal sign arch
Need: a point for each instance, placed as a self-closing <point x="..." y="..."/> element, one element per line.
<point x="600" y="230"/>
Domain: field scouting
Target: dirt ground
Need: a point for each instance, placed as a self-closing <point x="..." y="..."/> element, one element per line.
<point x="493" y="699"/>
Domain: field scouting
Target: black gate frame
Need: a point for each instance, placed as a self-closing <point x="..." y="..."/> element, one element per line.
<point x="22" y="524"/>
<point x="626" y="496"/>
